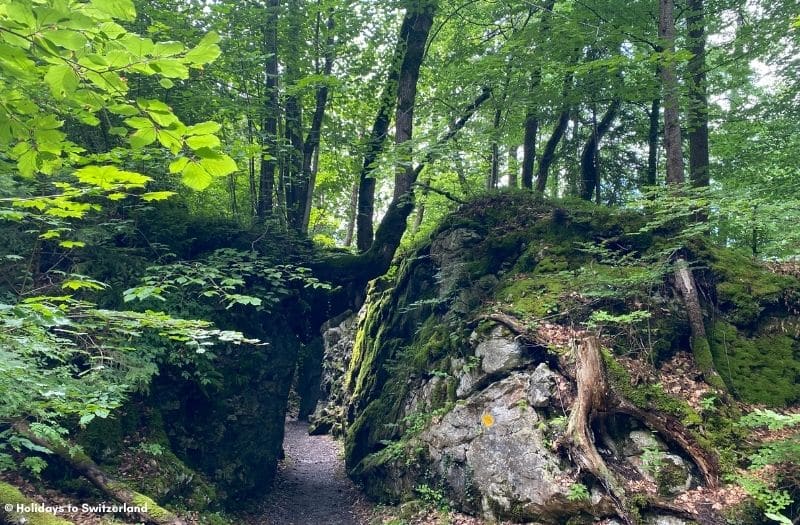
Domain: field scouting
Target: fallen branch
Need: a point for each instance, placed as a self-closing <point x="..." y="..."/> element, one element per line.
<point x="687" y="287"/>
<point x="151" y="512"/>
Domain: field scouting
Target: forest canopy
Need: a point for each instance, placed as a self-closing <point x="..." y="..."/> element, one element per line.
<point x="181" y="177"/>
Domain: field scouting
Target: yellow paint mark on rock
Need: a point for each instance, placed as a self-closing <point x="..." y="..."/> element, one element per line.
<point x="487" y="419"/>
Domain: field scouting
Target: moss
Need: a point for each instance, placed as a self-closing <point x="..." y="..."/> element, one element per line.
<point x="745" y="288"/>
<point x="10" y="494"/>
<point x="534" y="296"/>
<point x="154" y="510"/>
<point x="669" y="476"/>
<point x="764" y="368"/>
<point x="701" y="350"/>
<point x="648" y="396"/>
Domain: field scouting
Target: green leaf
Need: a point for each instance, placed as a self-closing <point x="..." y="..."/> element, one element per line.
<point x="143" y="137"/>
<point x="139" y="122"/>
<point x="203" y="141"/>
<point x="196" y="177"/>
<point x="169" y="48"/>
<point x="119" y="9"/>
<point x="166" y="83"/>
<point x="215" y="163"/>
<point x="157" y="195"/>
<point x="170" y="139"/>
<point x="203" y="128"/>
<point x="62" y="80"/>
<point x="206" y="50"/>
<point x="170" y="68"/>
<point x="72" y="244"/>
<point x="176" y="166"/>
<point x="67" y="39"/>
<point x="109" y="177"/>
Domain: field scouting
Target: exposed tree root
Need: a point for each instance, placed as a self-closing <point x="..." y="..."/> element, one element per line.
<point x="596" y="400"/>
<point x="155" y="514"/>
<point x="591" y="400"/>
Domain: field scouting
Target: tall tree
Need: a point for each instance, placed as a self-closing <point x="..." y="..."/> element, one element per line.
<point x="590" y="169"/>
<point x="376" y="139"/>
<point x="697" y="111"/>
<point x="270" y="114"/>
<point x="669" y="82"/>
<point x="531" y="126"/>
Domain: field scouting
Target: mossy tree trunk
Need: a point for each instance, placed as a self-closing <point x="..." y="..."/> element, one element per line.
<point x="687" y="287"/>
<point x="155" y="514"/>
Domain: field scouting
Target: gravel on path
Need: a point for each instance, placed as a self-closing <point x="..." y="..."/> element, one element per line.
<point x="311" y="487"/>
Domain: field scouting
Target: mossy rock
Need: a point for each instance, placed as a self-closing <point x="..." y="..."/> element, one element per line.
<point x="764" y="368"/>
<point x="11" y="495"/>
<point x="745" y="288"/>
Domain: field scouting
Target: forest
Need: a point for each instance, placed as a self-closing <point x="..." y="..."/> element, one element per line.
<point x="399" y="262"/>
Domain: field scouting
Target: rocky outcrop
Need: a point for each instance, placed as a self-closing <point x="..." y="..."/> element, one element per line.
<point x="338" y="339"/>
<point x="463" y="376"/>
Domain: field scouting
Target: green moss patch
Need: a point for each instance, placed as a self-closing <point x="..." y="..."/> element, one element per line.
<point x="10" y="494"/>
<point x="764" y="368"/>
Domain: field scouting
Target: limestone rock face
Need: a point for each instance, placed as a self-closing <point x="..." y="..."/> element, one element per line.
<point x="338" y="346"/>
<point x="499" y="352"/>
<point x="493" y="453"/>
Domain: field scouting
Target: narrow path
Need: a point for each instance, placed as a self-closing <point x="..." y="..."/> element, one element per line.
<point x="311" y="487"/>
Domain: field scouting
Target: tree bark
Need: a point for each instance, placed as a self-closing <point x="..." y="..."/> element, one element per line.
<point x="697" y="114"/>
<point x="405" y="175"/>
<point x="513" y="168"/>
<point x="312" y="142"/>
<point x="652" y="142"/>
<point x="592" y="398"/>
<point x="590" y="173"/>
<point x="352" y="211"/>
<point x="529" y="145"/>
<point x="687" y="287"/>
<point x="269" y="120"/>
<point x="375" y="142"/>
<point x="549" y="151"/>
<point x="669" y="83"/>
<point x="494" y="170"/>
<point x="531" y="114"/>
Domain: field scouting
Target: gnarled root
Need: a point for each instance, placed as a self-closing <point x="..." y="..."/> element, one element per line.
<point x="591" y="400"/>
<point x="596" y="398"/>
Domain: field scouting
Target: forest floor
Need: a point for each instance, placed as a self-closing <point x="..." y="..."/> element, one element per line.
<point x="311" y="487"/>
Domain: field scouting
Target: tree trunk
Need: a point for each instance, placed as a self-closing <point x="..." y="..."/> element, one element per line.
<point x="531" y="114"/>
<point x="652" y="143"/>
<point x="513" y="168"/>
<point x="269" y="122"/>
<point x="155" y="514"/>
<point x="590" y="172"/>
<point x="374" y="144"/>
<point x="697" y="114"/>
<point x="529" y="146"/>
<point x="494" y="171"/>
<point x="669" y="83"/>
<point x="549" y="151"/>
<point x="312" y="142"/>
<point x="684" y="281"/>
<point x="405" y="174"/>
<point x="352" y="211"/>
